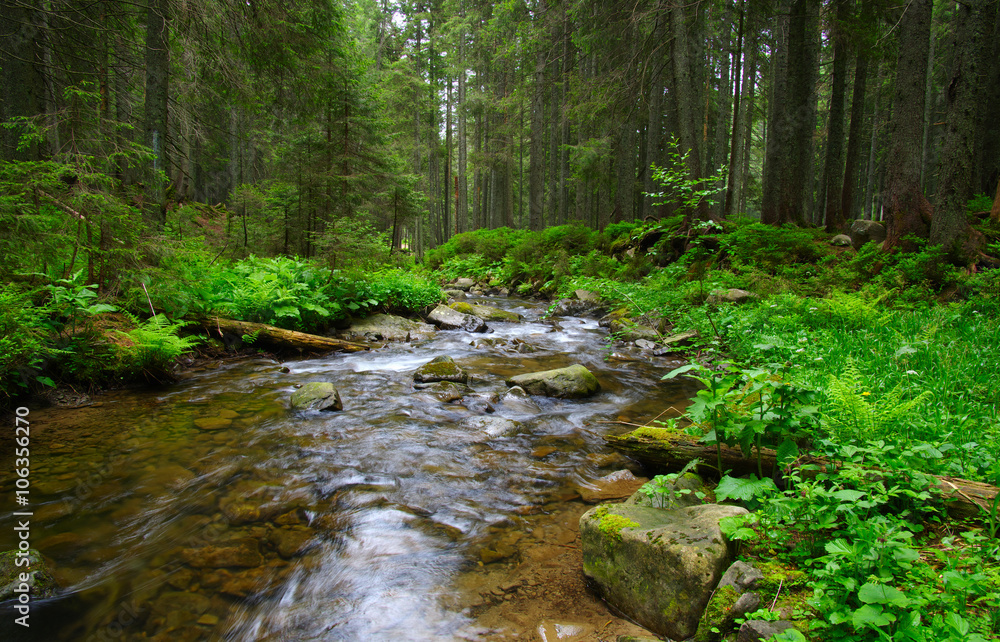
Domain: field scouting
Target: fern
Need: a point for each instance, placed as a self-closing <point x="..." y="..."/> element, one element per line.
<point x="853" y="311"/>
<point x="855" y="415"/>
<point x="151" y="347"/>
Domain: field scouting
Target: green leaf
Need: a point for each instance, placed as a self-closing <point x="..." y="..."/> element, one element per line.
<point x="787" y="452"/>
<point x="676" y="372"/>
<point x="881" y="594"/>
<point x="848" y="495"/>
<point x="871" y="616"/>
<point x="839" y="547"/>
<point x="743" y="489"/>
<point x="905" y="350"/>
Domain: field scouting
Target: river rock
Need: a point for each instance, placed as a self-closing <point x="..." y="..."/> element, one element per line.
<point x="625" y="332"/>
<point x="441" y="368"/>
<point x="39" y="580"/>
<point x="241" y="583"/>
<point x="579" y="308"/>
<point x="178" y="608"/>
<point x="841" y="240"/>
<point x="464" y="284"/>
<point x="570" y="382"/>
<point x="317" y="395"/>
<point x="486" y="312"/>
<point x="517" y="400"/>
<point x="444" y="391"/>
<point x="291" y="542"/>
<point x="448" y="319"/>
<point x="659" y="567"/>
<point x="212" y="423"/>
<point x="862" y="232"/>
<point x="759" y="630"/>
<point x="486" y="427"/>
<point x="388" y="327"/>
<point x="620" y="484"/>
<point x="244" y="552"/>
<point x="732" y="295"/>
<point x="454" y="294"/>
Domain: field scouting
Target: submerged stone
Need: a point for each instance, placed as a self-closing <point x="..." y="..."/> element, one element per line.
<point x="243" y="552"/>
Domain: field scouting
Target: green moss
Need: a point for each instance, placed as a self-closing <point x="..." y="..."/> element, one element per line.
<point x="462" y="306"/>
<point x="611" y="525"/>
<point x="654" y="432"/>
<point x="716" y="613"/>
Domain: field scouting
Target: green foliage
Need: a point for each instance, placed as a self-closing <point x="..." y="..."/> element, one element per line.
<point x="282" y="291"/>
<point x="387" y="290"/>
<point x="662" y="490"/>
<point x="769" y="247"/>
<point x="852" y="414"/>
<point x="72" y="301"/>
<point x="23" y="346"/>
<point x="979" y="203"/>
<point x="677" y="188"/>
<point x="148" y="350"/>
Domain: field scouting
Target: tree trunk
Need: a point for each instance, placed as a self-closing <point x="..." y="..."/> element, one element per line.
<point x="536" y="162"/>
<point x="688" y="105"/>
<point x="908" y="212"/>
<point x="950" y="226"/>
<point x="790" y="161"/>
<point x="854" y="139"/>
<point x="676" y="449"/>
<point x="157" y="75"/>
<point x="277" y="338"/>
<point x="834" y="166"/>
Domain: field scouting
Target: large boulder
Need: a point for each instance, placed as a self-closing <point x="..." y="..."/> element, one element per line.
<point x="571" y="382"/>
<point x="388" y="327"/>
<point x="448" y="319"/>
<point x="464" y="284"/>
<point x="441" y="368"/>
<point x="485" y="312"/>
<point x="579" y="308"/>
<point x="841" y="240"/>
<point x="33" y="579"/>
<point x="659" y="567"/>
<point x="864" y="231"/>
<point x="317" y="395"/>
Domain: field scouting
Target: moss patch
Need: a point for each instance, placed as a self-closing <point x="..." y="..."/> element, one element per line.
<point x="611" y="525"/>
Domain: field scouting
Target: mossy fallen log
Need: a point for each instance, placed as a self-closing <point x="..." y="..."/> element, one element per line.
<point x="273" y="337"/>
<point x="674" y="449"/>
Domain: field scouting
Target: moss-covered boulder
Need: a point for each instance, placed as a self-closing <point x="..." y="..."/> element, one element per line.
<point x="317" y="395"/>
<point x="733" y="598"/>
<point x="32" y="575"/>
<point x="448" y="319"/>
<point x="485" y="312"/>
<point x="566" y="383"/>
<point x="441" y="368"/>
<point x="388" y="327"/>
<point x="659" y="567"/>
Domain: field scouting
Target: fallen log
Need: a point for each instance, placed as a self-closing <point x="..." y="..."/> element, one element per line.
<point x="274" y="337"/>
<point x="674" y="449"/>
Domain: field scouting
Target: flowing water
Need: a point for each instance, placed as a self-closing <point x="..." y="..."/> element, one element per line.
<point x="209" y="510"/>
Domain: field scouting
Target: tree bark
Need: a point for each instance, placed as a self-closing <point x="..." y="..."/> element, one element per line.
<point x="687" y="102"/>
<point x="855" y="137"/>
<point x="908" y="212"/>
<point x="674" y="450"/>
<point x="536" y="162"/>
<point x="950" y="226"/>
<point x="157" y="76"/>
<point x="834" y="167"/>
<point x="277" y="338"/>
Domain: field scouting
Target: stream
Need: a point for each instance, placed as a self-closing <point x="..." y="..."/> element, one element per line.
<point x="207" y="510"/>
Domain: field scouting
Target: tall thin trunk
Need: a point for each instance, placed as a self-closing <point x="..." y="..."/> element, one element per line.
<point x="157" y="75"/>
<point x="833" y="168"/>
<point x="854" y="138"/>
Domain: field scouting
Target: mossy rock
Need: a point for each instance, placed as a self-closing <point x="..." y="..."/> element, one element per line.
<point x="659" y="567"/>
<point x="441" y="368"/>
<point x="567" y="383"/>
<point x="38" y="578"/>
<point x="317" y="395"/>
